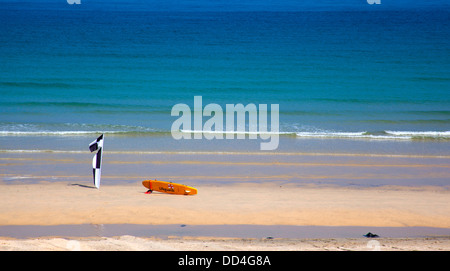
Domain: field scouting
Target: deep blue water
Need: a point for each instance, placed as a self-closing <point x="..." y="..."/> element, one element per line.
<point x="334" y="71"/>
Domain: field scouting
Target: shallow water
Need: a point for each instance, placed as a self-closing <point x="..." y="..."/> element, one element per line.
<point x="213" y="168"/>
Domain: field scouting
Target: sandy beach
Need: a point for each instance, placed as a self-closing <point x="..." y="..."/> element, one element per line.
<point x="257" y="204"/>
<point x="238" y="193"/>
<point x="131" y="243"/>
<point x="59" y="203"/>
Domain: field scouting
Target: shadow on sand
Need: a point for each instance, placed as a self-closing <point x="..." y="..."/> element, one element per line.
<point x="82" y="185"/>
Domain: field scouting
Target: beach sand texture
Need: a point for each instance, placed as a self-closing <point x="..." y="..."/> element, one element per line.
<point x="131" y="243"/>
<point x="258" y="204"/>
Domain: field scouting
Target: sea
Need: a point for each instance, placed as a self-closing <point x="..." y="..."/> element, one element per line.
<point x="348" y="76"/>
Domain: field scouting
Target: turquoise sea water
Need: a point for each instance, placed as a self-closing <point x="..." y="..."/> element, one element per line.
<point x="356" y="76"/>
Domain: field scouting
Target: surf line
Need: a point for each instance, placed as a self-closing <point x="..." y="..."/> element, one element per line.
<point x="257" y="126"/>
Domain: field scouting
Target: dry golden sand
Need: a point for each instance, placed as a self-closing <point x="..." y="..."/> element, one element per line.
<point x="254" y="204"/>
<point x="130" y="243"/>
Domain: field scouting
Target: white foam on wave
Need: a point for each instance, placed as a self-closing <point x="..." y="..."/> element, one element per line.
<point x="419" y="133"/>
<point x="54" y="133"/>
<point x="237" y="132"/>
<point x="349" y="135"/>
<point x="387" y="135"/>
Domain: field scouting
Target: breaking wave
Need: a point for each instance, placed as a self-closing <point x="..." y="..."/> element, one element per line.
<point x="71" y="129"/>
<point x="384" y="135"/>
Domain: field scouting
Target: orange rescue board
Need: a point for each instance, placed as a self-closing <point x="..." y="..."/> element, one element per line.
<point x="168" y="187"/>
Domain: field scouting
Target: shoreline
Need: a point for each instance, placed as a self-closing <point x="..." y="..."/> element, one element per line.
<point x="198" y="168"/>
<point x="170" y="231"/>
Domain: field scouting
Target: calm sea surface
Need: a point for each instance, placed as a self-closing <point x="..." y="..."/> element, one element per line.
<point x="361" y="80"/>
